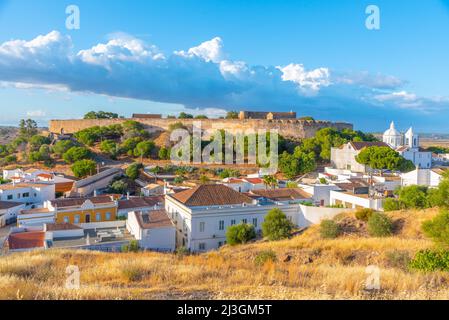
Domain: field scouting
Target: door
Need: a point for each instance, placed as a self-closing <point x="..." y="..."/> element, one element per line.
<point x="87" y="218"/>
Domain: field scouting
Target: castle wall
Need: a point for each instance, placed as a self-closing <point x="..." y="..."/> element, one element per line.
<point x="293" y="128"/>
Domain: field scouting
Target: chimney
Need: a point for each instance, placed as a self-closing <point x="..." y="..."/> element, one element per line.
<point x="95" y="192"/>
<point x="127" y="195"/>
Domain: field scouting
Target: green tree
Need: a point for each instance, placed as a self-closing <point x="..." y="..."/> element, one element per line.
<point x="118" y="187"/>
<point x="62" y="146"/>
<point x="413" y="197"/>
<point x="84" y="168"/>
<point x="276" y="226"/>
<point x="232" y="115"/>
<point x="164" y="153"/>
<point x="109" y="147"/>
<point x="270" y="181"/>
<point x="201" y="116"/>
<point x="133" y="171"/>
<point x="184" y="115"/>
<point x="129" y="145"/>
<point x="240" y="234"/>
<point x="383" y="158"/>
<point x="292" y="165"/>
<point x="27" y="128"/>
<point x="75" y="154"/>
<point x="100" y="115"/>
<point x="438" y="228"/>
<point x="144" y="149"/>
<point x="37" y="141"/>
<point x="439" y="197"/>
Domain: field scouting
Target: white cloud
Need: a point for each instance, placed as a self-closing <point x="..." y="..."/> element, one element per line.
<point x="313" y="79"/>
<point x="210" y="51"/>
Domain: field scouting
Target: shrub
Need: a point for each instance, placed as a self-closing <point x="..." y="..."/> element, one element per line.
<point x="144" y="149"/>
<point x="413" y="197"/>
<point x="37" y="140"/>
<point x="182" y="252"/>
<point x="276" y="226"/>
<point x="164" y="153"/>
<point x="75" y="154"/>
<point x="329" y="229"/>
<point x="364" y="214"/>
<point x="84" y="168"/>
<point x="109" y="147"/>
<point x="380" y="225"/>
<point x="265" y="256"/>
<point x="429" y="260"/>
<point x="398" y="259"/>
<point x="240" y="233"/>
<point x="62" y="147"/>
<point x="438" y="228"/>
<point x="391" y="204"/>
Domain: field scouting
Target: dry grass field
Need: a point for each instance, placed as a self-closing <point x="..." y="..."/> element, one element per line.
<point x="307" y="267"/>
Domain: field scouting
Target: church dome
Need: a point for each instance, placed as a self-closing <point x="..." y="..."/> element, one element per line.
<point x="392" y="132"/>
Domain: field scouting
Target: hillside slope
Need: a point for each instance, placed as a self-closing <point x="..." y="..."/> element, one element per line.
<point x="307" y="267"/>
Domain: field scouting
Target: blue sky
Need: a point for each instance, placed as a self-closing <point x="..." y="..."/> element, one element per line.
<point x="314" y="57"/>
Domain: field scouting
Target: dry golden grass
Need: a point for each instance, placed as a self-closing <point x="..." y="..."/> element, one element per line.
<point x="316" y="269"/>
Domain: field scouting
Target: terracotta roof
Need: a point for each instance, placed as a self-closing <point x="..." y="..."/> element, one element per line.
<point x="146" y="116"/>
<point x="359" y="145"/>
<point x="11" y="186"/>
<point x="254" y="180"/>
<point x="61" y="226"/>
<point x="9" y="204"/>
<point x="352" y="185"/>
<point x="153" y="219"/>
<point x="140" y="202"/>
<point x="283" y="194"/>
<point x="211" y="195"/>
<point x="45" y="175"/>
<point x="26" y="240"/>
<point x="74" y="202"/>
<point x="234" y="181"/>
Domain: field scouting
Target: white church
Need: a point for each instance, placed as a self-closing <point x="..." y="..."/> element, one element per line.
<point x="407" y="145"/>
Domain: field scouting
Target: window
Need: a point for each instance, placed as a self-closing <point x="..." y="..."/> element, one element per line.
<point x="10" y="197"/>
<point x="221" y="225"/>
<point x="202" y="246"/>
<point x="66" y="220"/>
<point x="255" y="222"/>
<point x="244" y="220"/>
<point x="77" y="219"/>
<point x="108" y="216"/>
<point x="220" y="244"/>
<point x="98" y="216"/>
<point x="232" y="222"/>
<point x="25" y="195"/>
<point x="202" y="226"/>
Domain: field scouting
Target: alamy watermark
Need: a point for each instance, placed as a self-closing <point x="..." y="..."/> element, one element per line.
<point x="372" y="22"/>
<point x="72" y="281"/>
<point x="73" y="20"/>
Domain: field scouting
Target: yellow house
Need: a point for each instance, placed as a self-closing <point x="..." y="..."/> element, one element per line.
<point x="84" y="210"/>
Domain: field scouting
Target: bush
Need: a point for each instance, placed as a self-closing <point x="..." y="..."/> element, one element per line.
<point x="62" y="147"/>
<point x="164" y="153"/>
<point x="133" y="171"/>
<point x="37" y="140"/>
<point x="182" y="252"/>
<point x="329" y="229"/>
<point x="143" y="149"/>
<point x="240" y="234"/>
<point x="364" y="214"/>
<point x="109" y="147"/>
<point x="84" y="168"/>
<point x="380" y="225"/>
<point x="413" y="197"/>
<point x="398" y="259"/>
<point x="265" y="256"/>
<point x="391" y="204"/>
<point x="276" y="226"/>
<point x="438" y="228"/>
<point x="428" y="260"/>
<point x="75" y="154"/>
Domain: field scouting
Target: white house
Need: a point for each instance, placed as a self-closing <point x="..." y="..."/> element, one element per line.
<point x="9" y="211"/>
<point x="423" y="177"/>
<point x="154" y="230"/>
<point x="244" y="184"/>
<point x="31" y="194"/>
<point x="203" y="214"/>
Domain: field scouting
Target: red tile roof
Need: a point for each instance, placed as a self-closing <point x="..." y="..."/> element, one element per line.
<point x="283" y="194"/>
<point x="359" y="145"/>
<point x="74" y="202"/>
<point x="26" y="240"/>
<point x="154" y="219"/>
<point x="61" y="226"/>
<point x="254" y="180"/>
<point x="211" y="195"/>
<point x="140" y="202"/>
